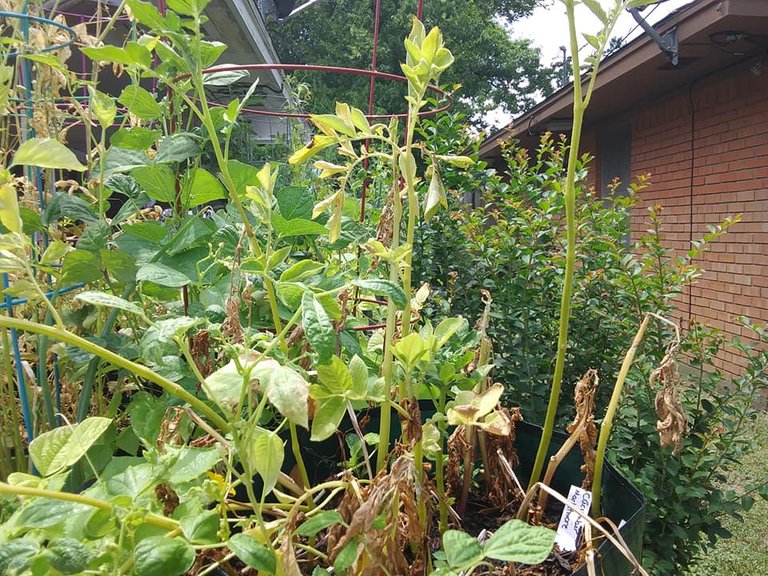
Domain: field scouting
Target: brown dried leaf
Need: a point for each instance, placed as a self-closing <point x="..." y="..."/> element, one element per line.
<point x="672" y="425"/>
<point x="584" y="402"/>
<point x="231" y="327"/>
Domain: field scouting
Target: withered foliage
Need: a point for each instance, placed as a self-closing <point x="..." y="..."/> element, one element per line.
<point x="231" y="329"/>
<point x="167" y="497"/>
<point x="392" y="497"/>
<point x="290" y="563"/>
<point x="457" y="448"/>
<point x="200" y="349"/>
<point x="584" y="422"/>
<point x="672" y="425"/>
<point x="170" y="435"/>
<point x="500" y="488"/>
<point x="412" y="425"/>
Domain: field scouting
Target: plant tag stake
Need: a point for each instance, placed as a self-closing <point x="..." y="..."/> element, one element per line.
<point x="570" y="525"/>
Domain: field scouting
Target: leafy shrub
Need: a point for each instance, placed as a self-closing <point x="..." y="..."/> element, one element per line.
<point x="513" y="246"/>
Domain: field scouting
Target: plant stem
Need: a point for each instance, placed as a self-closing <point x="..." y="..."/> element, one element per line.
<point x="387" y="367"/>
<point x="150" y="517"/>
<point x="136" y="369"/>
<point x="570" y="257"/>
<point x="605" y="427"/>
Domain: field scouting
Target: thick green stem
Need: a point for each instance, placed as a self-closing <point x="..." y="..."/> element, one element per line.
<point x="149" y="518"/>
<point x="570" y="258"/>
<point x="387" y="366"/>
<point x="136" y="369"/>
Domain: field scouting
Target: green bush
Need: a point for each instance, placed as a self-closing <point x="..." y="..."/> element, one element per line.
<point x="513" y="245"/>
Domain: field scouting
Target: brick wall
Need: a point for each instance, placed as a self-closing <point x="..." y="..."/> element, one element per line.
<point x="721" y="171"/>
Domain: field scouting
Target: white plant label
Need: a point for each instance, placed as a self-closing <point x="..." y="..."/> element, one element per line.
<point x="571" y="524"/>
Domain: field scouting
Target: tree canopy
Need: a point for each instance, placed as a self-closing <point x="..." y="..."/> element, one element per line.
<point x="493" y="69"/>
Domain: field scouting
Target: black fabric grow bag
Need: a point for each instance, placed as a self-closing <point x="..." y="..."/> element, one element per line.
<point x="620" y="500"/>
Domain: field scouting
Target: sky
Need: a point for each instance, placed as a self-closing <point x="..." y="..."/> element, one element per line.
<point x="547" y="28"/>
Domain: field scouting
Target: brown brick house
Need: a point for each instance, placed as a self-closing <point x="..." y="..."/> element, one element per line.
<point x="701" y="129"/>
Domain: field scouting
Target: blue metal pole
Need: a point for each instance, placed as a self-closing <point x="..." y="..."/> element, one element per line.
<point x="28" y="424"/>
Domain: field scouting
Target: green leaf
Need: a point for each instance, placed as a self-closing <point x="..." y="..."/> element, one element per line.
<point x="176" y="148"/>
<point x="136" y="138"/>
<point x="295" y="202"/>
<point x="460" y="161"/>
<point x="193" y="233"/>
<point x="122" y="160"/>
<point x="15" y="555"/>
<point x="95" y="237"/>
<point x="47" y="512"/>
<point x="157" y="180"/>
<point x="243" y="175"/>
<point x="145" y="13"/>
<point x="162" y="275"/>
<point x="140" y="103"/>
<point x="319" y="522"/>
<point x="102" y="106"/>
<point x="158" y="340"/>
<point x="359" y="372"/>
<point x="435" y="196"/>
<point x="210" y="52"/>
<point x="335" y="376"/>
<point x="296" y="227"/>
<point x="447" y="328"/>
<point x="327" y="417"/>
<point x="301" y="270"/>
<point x="386" y="287"/>
<point x="119" y="265"/>
<point x="288" y="392"/>
<point x="46" y="153"/>
<point x="68" y="556"/>
<point x="224" y="78"/>
<point x="112" y="54"/>
<point x="250" y="551"/>
<point x="193" y="463"/>
<point x="161" y="556"/>
<point x="331" y="124"/>
<point x="63" y="206"/>
<point x="278" y="257"/>
<point x="266" y="453"/>
<point x="109" y="300"/>
<point x="593" y="40"/>
<point x="62" y="447"/>
<point x="411" y="349"/>
<point x="317" y="327"/>
<point x="517" y="541"/>
<point x="10" y="217"/>
<point x="597" y="10"/>
<point x="204" y="187"/>
<point x="346" y="557"/>
<point x="461" y="550"/>
<point x="146" y="414"/>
